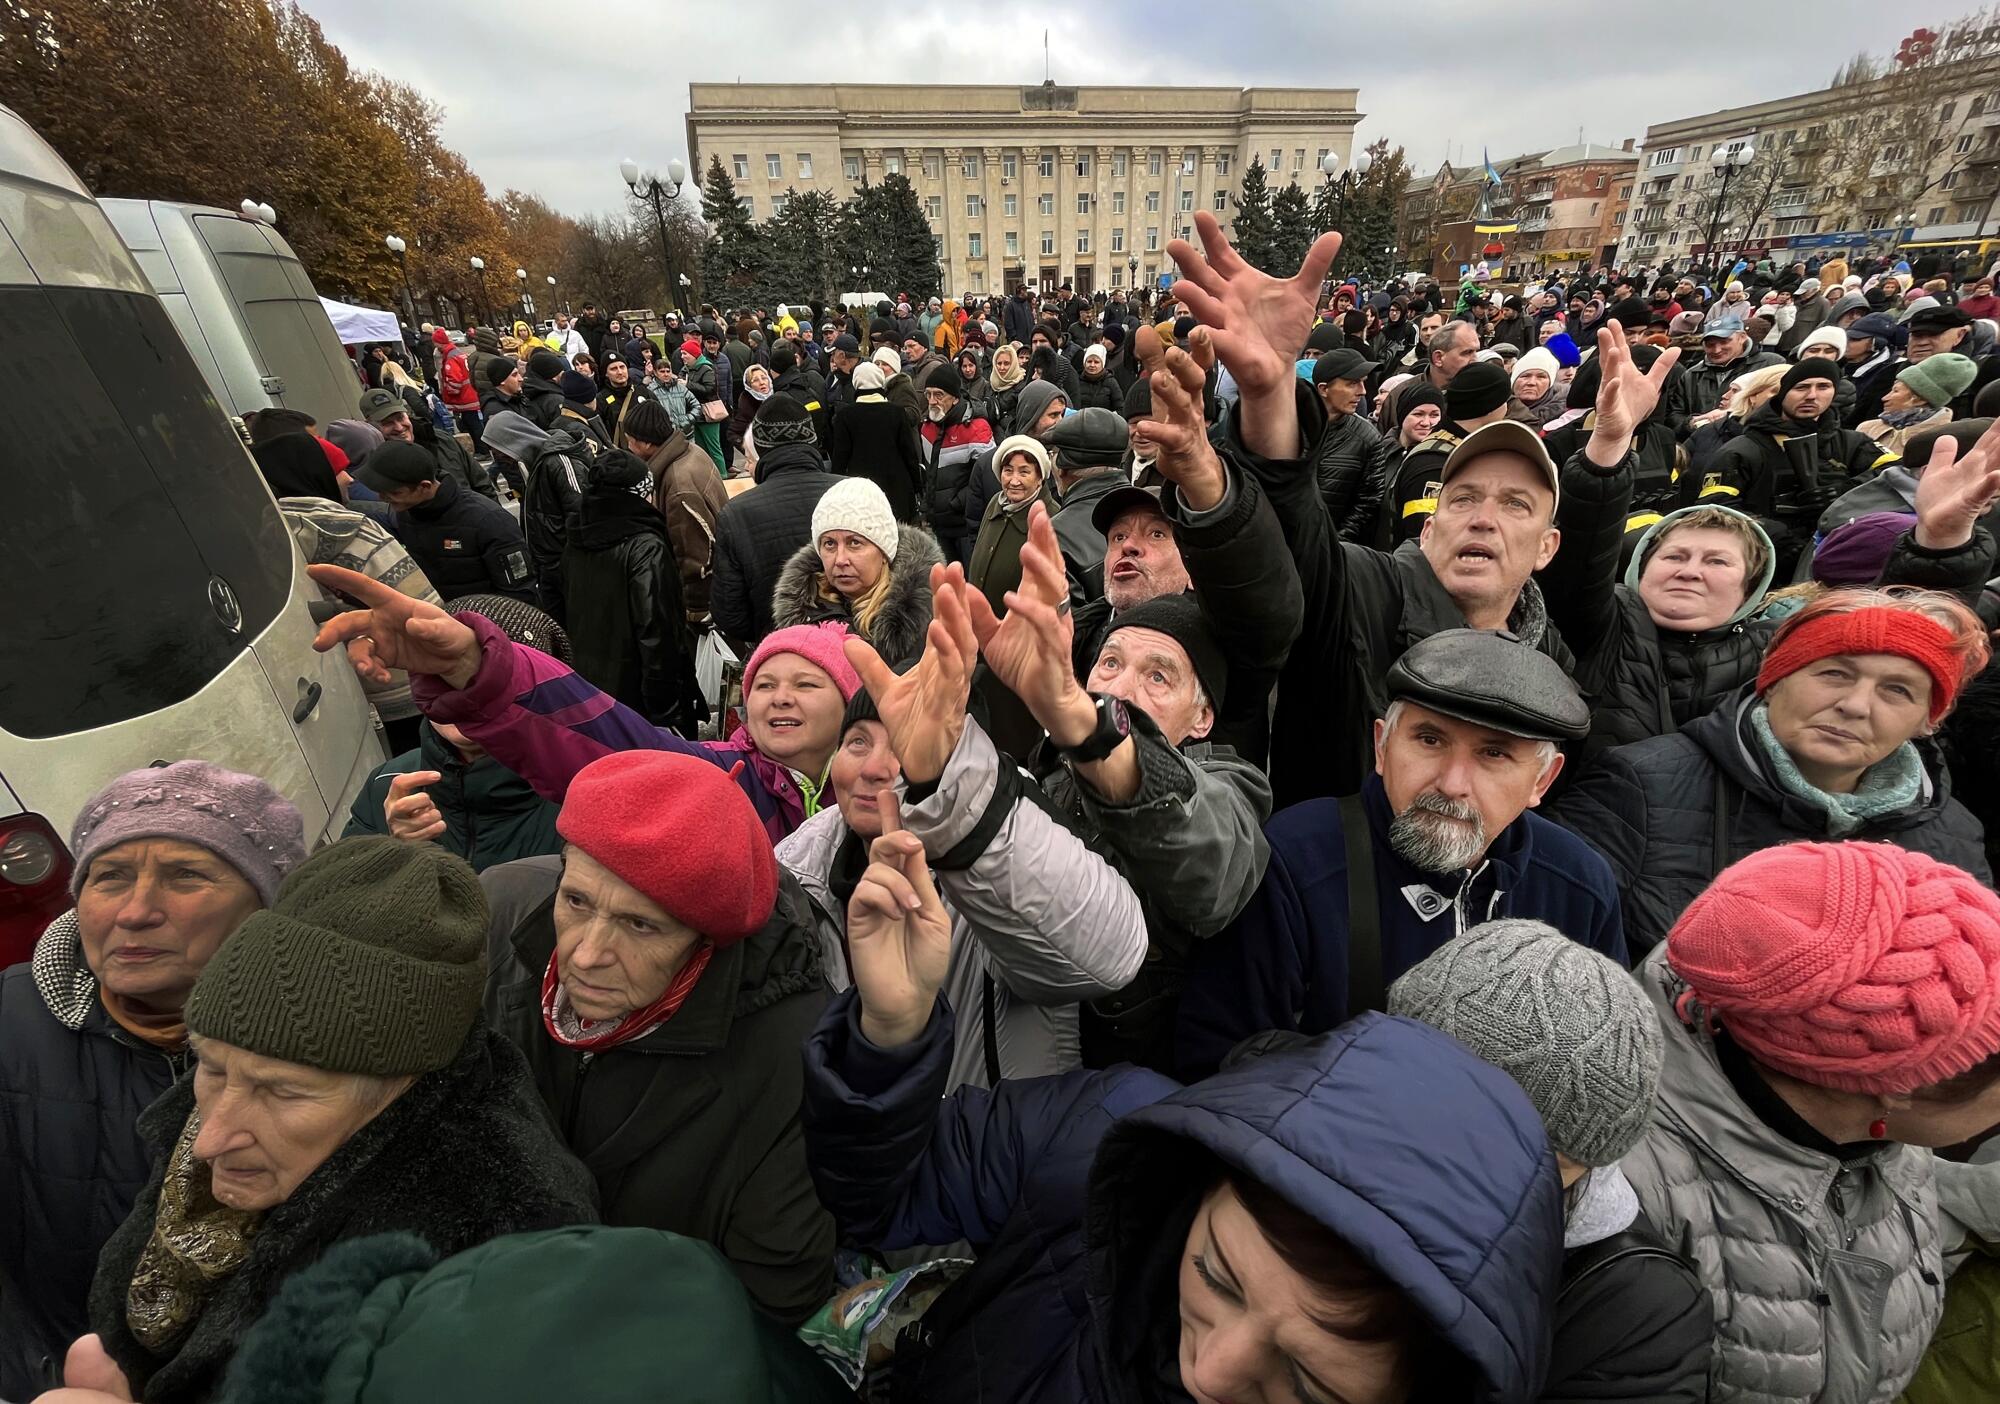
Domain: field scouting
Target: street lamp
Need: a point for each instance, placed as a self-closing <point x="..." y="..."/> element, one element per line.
<point x="552" y="293"/>
<point x="1727" y="162"/>
<point x="402" y="252"/>
<point x="1133" y="264"/>
<point x="648" y="186"/>
<point x="527" y="303"/>
<point x="1344" y="183"/>
<point x="479" y="276"/>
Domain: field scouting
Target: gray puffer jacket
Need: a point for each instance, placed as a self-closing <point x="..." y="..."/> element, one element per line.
<point x="1039" y="922"/>
<point x="1826" y="1278"/>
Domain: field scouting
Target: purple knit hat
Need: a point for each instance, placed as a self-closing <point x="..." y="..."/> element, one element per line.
<point x="1855" y="552"/>
<point x="238" y="818"/>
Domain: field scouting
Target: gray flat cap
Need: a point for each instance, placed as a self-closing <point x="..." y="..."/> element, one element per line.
<point x="1090" y="438"/>
<point x="1493" y="680"/>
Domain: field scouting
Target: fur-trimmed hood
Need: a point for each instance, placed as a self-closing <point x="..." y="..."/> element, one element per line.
<point x="898" y="632"/>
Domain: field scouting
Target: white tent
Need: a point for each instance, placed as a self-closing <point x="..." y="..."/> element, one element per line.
<point x="356" y="326"/>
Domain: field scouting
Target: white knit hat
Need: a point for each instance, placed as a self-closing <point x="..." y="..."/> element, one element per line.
<point x="1536" y="358"/>
<point x="888" y="358"/>
<point x="856" y="505"/>
<point x="1826" y="336"/>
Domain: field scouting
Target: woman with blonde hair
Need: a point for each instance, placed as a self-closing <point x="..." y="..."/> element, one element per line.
<point x="1741" y="398"/>
<point x="1006" y="376"/>
<point x="863" y="569"/>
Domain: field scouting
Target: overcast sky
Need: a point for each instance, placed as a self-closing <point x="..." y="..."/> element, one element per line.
<point x="548" y="97"/>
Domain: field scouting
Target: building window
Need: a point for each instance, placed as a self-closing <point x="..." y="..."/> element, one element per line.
<point x="1152" y="163"/>
<point x="1046" y="204"/>
<point x="1118" y="165"/>
<point x="850" y="167"/>
<point x="1694" y="153"/>
<point x="1152" y="238"/>
<point x="1118" y="202"/>
<point x="1010" y="166"/>
<point x="1083" y="165"/>
<point x="1681" y="210"/>
<point x="1618" y="220"/>
<point x="805" y="165"/>
<point x="1048" y="241"/>
<point x="1117" y="276"/>
<point x="1010" y="205"/>
<point x="1221" y="202"/>
<point x="933" y="166"/>
<point x="1319" y="161"/>
<point x="1965" y="214"/>
<point x="747" y="205"/>
<point x="1046" y="167"/>
<point x="1964" y="144"/>
<point x="1625" y="192"/>
<point x="774" y="165"/>
<point x="1188" y="161"/>
<point x="1666" y="156"/>
<point x="1083" y="241"/>
<point x="1673" y="238"/>
<point x="1118" y="238"/>
<point x="1948" y="180"/>
<point x="937" y="246"/>
<point x="1187" y="201"/>
<point x="1687" y="183"/>
<point x="778" y="203"/>
<point x="978" y="282"/>
<point x="1944" y="115"/>
<point x="1013" y="244"/>
<point x="1593" y="209"/>
<point x="933" y="207"/>
<point x="969" y="167"/>
<point x="742" y="165"/>
<point x="1152" y="202"/>
<point x="1936" y="216"/>
<point x="892" y="164"/>
<point x="1083" y="202"/>
<point x="1277" y="158"/>
<point x="975" y="245"/>
<point x="974" y="207"/>
<point x="1222" y="163"/>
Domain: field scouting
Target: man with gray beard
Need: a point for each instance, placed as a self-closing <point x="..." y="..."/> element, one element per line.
<point x="1441" y="837"/>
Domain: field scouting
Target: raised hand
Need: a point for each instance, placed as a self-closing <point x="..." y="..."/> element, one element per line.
<point x="924" y="709"/>
<point x="410" y="812"/>
<point x="898" y="935"/>
<point x="1625" y="396"/>
<point x="1029" y="650"/>
<point x="1178" y="426"/>
<point x="1258" y="322"/>
<point x="1954" y="492"/>
<point x="400" y="632"/>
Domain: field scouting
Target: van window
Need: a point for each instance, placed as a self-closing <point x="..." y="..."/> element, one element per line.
<point x="283" y="316"/>
<point x="125" y="490"/>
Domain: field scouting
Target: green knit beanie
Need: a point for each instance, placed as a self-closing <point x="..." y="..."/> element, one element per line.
<point x="1939" y="379"/>
<point x="372" y="960"/>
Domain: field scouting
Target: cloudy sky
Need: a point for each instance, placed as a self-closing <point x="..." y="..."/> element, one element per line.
<point x="548" y="96"/>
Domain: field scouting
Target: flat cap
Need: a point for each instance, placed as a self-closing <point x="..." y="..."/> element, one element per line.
<point x="846" y="343"/>
<point x="1937" y="318"/>
<point x="1091" y="438"/>
<point x="1120" y="500"/>
<point x="1491" y="679"/>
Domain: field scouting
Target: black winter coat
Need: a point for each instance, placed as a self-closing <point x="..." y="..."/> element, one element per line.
<point x="905" y="615"/>
<point x="757" y="532"/>
<point x="1082" y="543"/>
<point x="1632" y="1321"/>
<point x="72" y="1085"/>
<point x="694" y="1127"/>
<point x="1650" y="809"/>
<point x="873" y="439"/>
<point x="1102" y="393"/>
<point x="557" y="476"/>
<point x="627" y="621"/>
<point x="543" y="400"/>
<point x="1786" y="474"/>
<point x="1351" y="463"/>
<point x="467" y="545"/>
<point x="464" y="1156"/>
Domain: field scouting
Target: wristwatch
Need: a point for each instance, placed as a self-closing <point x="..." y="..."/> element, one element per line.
<point x="1114" y="724"/>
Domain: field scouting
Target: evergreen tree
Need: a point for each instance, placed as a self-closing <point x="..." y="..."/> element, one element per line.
<point x="856" y="241"/>
<point x="731" y="262"/>
<point x="1291" y="229"/>
<point x="908" y="247"/>
<point x="800" y="250"/>
<point x="1255" y="228"/>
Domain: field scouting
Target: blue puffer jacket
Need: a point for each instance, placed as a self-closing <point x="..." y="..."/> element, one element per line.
<point x="1282" y="964"/>
<point x="1077" y="1192"/>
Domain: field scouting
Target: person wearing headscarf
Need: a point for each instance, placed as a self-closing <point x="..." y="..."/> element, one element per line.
<point x="1006" y="377"/>
<point x="874" y="439"/>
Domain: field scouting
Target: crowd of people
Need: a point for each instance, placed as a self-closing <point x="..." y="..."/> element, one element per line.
<point x="1287" y="841"/>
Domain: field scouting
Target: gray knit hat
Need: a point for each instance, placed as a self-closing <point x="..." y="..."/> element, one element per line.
<point x="372" y="960"/>
<point x="237" y="817"/>
<point x="1571" y="1026"/>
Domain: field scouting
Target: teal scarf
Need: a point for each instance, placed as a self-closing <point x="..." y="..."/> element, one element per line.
<point x="1890" y="784"/>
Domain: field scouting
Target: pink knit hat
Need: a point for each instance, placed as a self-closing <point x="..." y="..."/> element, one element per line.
<point x="1862" y="967"/>
<point x="819" y="644"/>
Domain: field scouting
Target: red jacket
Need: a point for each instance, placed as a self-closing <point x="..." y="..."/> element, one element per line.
<point x="455" y="385"/>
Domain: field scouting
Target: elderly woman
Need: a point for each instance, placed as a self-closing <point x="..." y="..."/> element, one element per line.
<point x="1830" y="1017"/>
<point x="169" y="862"/>
<point x="1006" y="377"/>
<point x="1920" y="399"/>
<point x="862" y="569"/>
<point x="1024" y="472"/>
<point x="1831" y="740"/>
<point x="660" y="978"/>
<point x="737" y="429"/>
<point x="1537" y="400"/>
<point x="344" y="1085"/>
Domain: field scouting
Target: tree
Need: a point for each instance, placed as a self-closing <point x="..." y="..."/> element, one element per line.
<point x="732" y="260"/>
<point x="802" y="244"/>
<point x="909" y="249"/>
<point x="858" y="240"/>
<point x="1254" y="226"/>
<point x="1291" y="227"/>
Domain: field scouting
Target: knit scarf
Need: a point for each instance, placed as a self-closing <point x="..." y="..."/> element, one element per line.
<point x="1530" y="617"/>
<point x="1903" y="419"/>
<point x="572" y="1030"/>
<point x="1890" y="784"/>
<point x="196" y="1243"/>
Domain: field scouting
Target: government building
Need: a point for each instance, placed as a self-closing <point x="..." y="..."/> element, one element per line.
<point x="1023" y="184"/>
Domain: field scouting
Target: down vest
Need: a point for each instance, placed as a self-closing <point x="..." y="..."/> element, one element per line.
<point x="72" y="1085"/>
<point x="1826" y="1277"/>
<point x="1651" y="810"/>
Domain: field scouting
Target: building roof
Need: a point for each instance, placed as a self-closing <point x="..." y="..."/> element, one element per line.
<point x="1578" y="153"/>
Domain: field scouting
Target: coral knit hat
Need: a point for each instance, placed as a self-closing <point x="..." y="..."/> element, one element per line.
<point x="679" y="830"/>
<point x="1862" y="967"/>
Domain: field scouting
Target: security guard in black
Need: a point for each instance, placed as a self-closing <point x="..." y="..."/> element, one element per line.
<point x="466" y="544"/>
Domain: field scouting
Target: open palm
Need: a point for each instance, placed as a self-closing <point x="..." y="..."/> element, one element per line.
<point x="1956" y="490"/>
<point x="1029" y="650"/>
<point x="1258" y="321"/>
<point x="923" y="710"/>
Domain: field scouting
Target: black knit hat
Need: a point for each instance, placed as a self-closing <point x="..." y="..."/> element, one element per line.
<point x="783" y="420"/>
<point x="499" y="368"/>
<point x="1180" y="619"/>
<point x="1326" y="337"/>
<point x="1590" y="378"/>
<point x="372" y="960"/>
<point x="1811" y="368"/>
<point x="546" y="363"/>
<point x="945" y="377"/>
<point x="1632" y="312"/>
<point x="1479" y="388"/>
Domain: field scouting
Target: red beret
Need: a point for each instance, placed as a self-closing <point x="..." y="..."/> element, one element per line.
<point x="679" y="830"/>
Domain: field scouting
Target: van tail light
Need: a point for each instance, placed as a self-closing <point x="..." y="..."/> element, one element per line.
<point x="34" y="883"/>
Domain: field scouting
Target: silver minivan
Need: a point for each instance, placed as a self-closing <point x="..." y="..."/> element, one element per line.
<point x="242" y="302"/>
<point x="156" y="606"/>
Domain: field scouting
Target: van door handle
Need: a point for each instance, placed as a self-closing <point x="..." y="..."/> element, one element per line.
<point x="309" y="695"/>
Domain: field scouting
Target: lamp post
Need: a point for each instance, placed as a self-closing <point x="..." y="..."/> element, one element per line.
<point x="1727" y="163"/>
<point x="401" y="250"/>
<point x="1133" y="264"/>
<point x="552" y="293"/>
<point x="648" y="186"/>
<point x="479" y="277"/>
<point x="1343" y="183"/>
<point x="527" y="302"/>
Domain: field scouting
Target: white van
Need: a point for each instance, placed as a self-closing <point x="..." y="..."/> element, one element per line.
<point x="242" y="302"/>
<point x="156" y="607"/>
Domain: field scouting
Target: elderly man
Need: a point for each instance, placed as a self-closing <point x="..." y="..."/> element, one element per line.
<point x="1726" y="352"/>
<point x="1930" y="331"/>
<point x="1473" y="565"/>
<point x="1478" y="395"/>
<point x="1440" y="838"/>
<point x="957" y="439"/>
<point x="1089" y="451"/>
<point x="390" y="414"/>
<point x="1447" y="351"/>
